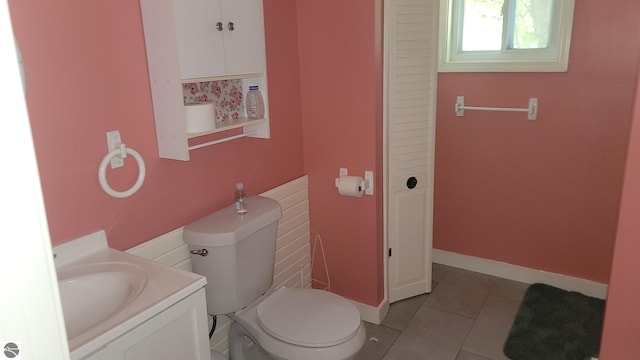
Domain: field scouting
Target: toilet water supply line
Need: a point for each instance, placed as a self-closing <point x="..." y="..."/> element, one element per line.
<point x="214" y="323"/>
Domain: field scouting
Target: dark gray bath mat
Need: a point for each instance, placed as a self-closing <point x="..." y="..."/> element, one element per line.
<point x="555" y="324"/>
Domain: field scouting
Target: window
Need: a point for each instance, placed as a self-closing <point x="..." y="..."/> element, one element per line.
<point x="505" y="35"/>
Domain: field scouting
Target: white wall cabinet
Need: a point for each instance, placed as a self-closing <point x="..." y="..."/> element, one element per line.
<point x="203" y="28"/>
<point x="195" y="41"/>
<point x="179" y="332"/>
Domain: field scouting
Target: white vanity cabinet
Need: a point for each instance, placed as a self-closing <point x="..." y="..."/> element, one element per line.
<point x="179" y="332"/>
<point x="219" y="38"/>
<point x="199" y="41"/>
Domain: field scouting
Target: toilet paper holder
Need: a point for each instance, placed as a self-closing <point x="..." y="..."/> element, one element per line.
<point x="366" y="184"/>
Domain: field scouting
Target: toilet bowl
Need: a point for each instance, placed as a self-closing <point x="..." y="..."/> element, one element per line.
<point x="297" y="324"/>
<point x="237" y="255"/>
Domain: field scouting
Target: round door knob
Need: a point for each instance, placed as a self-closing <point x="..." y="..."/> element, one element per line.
<point x="219" y="26"/>
<point x="231" y="26"/>
<point x="412" y="182"/>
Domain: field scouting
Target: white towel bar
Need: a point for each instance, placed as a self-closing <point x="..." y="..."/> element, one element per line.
<point x="532" y="110"/>
<point x="222" y="140"/>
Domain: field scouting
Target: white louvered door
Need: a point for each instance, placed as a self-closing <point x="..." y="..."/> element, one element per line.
<point x="411" y="84"/>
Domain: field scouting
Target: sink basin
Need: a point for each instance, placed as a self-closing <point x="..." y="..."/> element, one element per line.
<point x="93" y="292"/>
<point x="107" y="293"/>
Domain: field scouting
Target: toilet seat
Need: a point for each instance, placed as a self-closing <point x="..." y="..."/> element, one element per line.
<point x="308" y="317"/>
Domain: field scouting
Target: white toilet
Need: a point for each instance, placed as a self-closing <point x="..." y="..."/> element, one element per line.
<point x="236" y="253"/>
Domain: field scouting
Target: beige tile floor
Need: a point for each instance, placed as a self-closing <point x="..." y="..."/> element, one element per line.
<point x="467" y="316"/>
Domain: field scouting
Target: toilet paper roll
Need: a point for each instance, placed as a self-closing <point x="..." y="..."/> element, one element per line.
<point x="200" y="117"/>
<point x="350" y="186"/>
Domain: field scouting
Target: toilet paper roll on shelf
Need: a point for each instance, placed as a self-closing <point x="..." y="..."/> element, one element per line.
<point x="200" y="117"/>
<point x="353" y="186"/>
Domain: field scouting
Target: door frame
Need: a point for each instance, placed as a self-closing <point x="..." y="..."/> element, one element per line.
<point x="31" y="312"/>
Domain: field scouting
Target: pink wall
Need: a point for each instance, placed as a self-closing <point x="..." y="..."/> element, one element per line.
<point x="621" y="326"/>
<point x="86" y="74"/>
<point x="541" y="194"/>
<point x="341" y="74"/>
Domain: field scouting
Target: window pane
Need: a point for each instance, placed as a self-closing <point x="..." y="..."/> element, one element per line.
<point x="505" y="35"/>
<point x="482" y="24"/>
<point x="532" y="24"/>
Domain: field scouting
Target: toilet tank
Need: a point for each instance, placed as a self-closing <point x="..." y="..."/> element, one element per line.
<point x="240" y="253"/>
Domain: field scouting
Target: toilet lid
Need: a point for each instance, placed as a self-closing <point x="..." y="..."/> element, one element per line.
<point x="308" y="317"/>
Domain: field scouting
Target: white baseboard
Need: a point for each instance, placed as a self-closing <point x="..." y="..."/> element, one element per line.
<point x="519" y="273"/>
<point x="373" y="314"/>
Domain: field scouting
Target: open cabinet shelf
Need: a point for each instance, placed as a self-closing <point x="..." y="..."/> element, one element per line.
<point x="186" y="45"/>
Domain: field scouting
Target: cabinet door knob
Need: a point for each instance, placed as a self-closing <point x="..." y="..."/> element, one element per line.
<point x="231" y="26"/>
<point x="219" y="26"/>
<point x="412" y="182"/>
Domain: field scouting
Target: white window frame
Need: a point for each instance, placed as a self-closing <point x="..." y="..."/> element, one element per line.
<point x="553" y="59"/>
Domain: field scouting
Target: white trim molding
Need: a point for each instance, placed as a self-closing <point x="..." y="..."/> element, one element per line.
<point x="373" y="314"/>
<point x="519" y="273"/>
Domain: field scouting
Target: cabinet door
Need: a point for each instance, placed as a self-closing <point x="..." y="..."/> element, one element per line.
<point x="206" y="51"/>
<point x="200" y="44"/>
<point x="244" y="46"/>
<point x="411" y="104"/>
<point x="179" y="332"/>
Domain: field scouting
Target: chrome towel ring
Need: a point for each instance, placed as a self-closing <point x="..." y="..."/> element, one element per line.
<point x="121" y="152"/>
